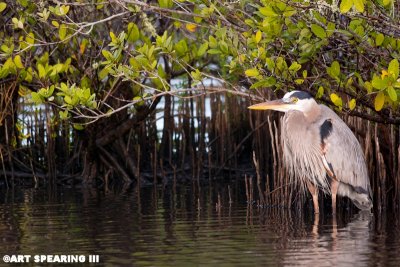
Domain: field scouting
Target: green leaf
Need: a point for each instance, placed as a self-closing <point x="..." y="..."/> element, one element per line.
<point x="379" y="101"/>
<point x="133" y="33"/>
<point x="392" y="93"/>
<point x="62" y="32"/>
<point x="55" y="23"/>
<point x="2" y="6"/>
<point x="270" y="64"/>
<point x="345" y="5"/>
<point x="18" y="62"/>
<point x="393" y="68"/>
<point x="63" y="114"/>
<point x="41" y="70"/>
<point x="334" y="69"/>
<point x="181" y="47"/>
<point x="387" y="2"/>
<point x="30" y="38"/>
<point x="352" y="104"/>
<point x="64" y="10"/>
<point x="78" y="127"/>
<point x="294" y="67"/>
<point x="268" y="11"/>
<point x="251" y="72"/>
<point x="318" y="31"/>
<point x="359" y="5"/>
<point x="223" y="47"/>
<point x="268" y="82"/>
<point x="378" y="83"/>
<point x="299" y="81"/>
<point x="202" y="49"/>
<point x="258" y="36"/>
<point x="36" y="98"/>
<point x="107" y="54"/>
<point x="103" y="73"/>
<point x="320" y="92"/>
<point x="165" y="3"/>
<point x="330" y="29"/>
<point x="379" y="39"/>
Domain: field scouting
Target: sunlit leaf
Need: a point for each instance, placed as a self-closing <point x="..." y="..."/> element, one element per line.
<point x="2" y="6"/>
<point x="330" y="29"/>
<point x="41" y="70"/>
<point x="336" y="100"/>
<point x="258" y="36"/>
<point x="387" y="2"/>
<point x="268" y="11"/>
<point x="268" y="82"/>
<point x="202" y="49"/>
<point x="36" y="98"/>
<point x="352" y="104"/>
<point x="392" y="93"/>
<point x="133" y="33"/>
<point x="30" y="38"/>
<point x="62" y="32"/>
<point x="252" y="72"/>
<point x="18" y="62"/>
<point x="379" y="101"/>
<point x="107" y="54"/>
<point x="191" y="27"/>
<point x="359" y="5"/>
<point x="299" y="81"/>
<point x="379" y="39"/>
<point x="64" y="10"/>
<point x="384" y="74"/>
<point x="393" y="68"/>
<point x="345" y="5"/>
<point x="165" y="3"/>
<point x="55" y="23"/>
<point x="378" y="83"/>
<point x="320" y="92"/>
<point x="295" y="67"/>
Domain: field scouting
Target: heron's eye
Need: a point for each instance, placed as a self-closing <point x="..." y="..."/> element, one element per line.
<point x="294" y="99"/>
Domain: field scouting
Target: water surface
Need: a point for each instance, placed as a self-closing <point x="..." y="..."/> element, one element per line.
<point x="186" y="227"/>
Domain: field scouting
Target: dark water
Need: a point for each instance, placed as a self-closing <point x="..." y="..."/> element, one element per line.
<point x="184" y="227"/>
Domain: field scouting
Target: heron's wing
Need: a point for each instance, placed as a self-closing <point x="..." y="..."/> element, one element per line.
<point x="342" y="154"/>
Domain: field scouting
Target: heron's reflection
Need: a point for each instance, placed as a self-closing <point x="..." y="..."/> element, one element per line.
<point x="324" y="241"/>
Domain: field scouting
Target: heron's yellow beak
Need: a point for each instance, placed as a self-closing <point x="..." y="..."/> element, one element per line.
<point x="278" y="105"/>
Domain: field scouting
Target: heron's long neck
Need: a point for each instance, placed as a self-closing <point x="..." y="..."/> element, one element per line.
<point x="312" y="112"/>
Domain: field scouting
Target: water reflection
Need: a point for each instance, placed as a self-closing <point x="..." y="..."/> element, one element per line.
<point x="184" y="226"/>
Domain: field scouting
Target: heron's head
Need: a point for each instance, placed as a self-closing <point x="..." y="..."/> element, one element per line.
<point x="295" y="100"/>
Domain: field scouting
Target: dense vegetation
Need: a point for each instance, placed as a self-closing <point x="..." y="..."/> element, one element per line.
<point x="90" y="74"/>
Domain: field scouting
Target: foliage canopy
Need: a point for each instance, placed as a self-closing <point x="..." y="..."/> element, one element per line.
<point x="75" y="56"/>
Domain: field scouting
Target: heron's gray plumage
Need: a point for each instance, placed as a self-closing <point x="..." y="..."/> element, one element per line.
<point x="319" y="147"/>
<point x="320" y="150"/>
<point x="302" y="155"/>
<point x="345" y="155"/>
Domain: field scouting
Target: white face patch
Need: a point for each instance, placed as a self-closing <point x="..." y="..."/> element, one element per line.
<point x="304" y="103"/>
<point x="289" y="94"/>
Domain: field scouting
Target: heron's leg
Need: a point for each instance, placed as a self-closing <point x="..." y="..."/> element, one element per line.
<point x="314" y="193"/>
<point x="334" y="189"/>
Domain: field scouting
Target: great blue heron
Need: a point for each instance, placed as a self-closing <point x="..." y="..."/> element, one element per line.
<point x="320" y="150"/>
